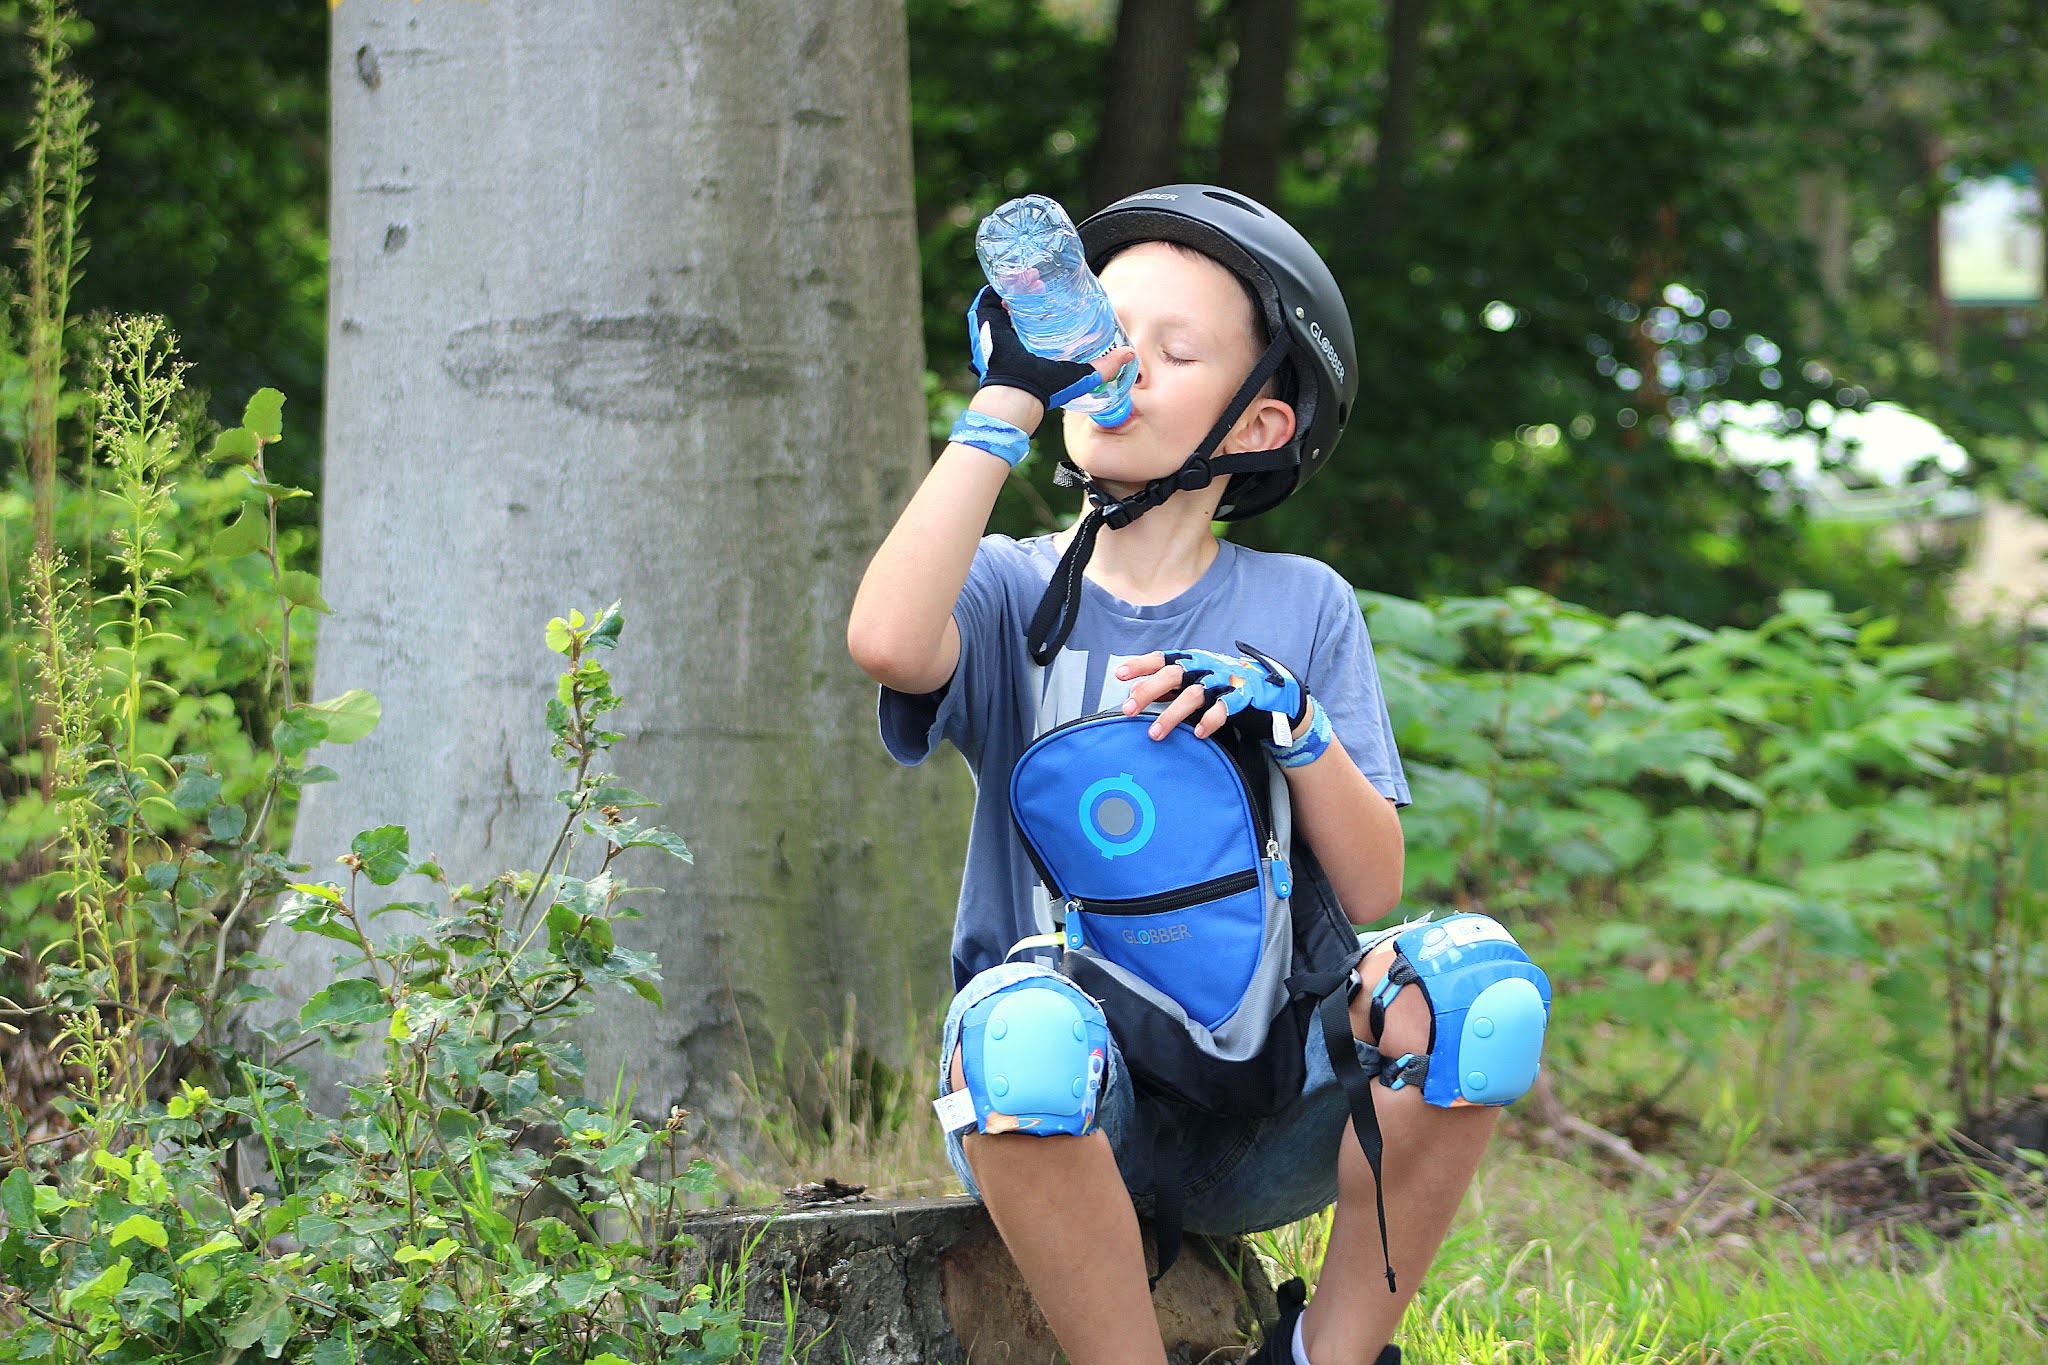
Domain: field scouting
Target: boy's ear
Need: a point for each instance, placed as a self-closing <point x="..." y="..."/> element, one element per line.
<point x="1267" y="424"/>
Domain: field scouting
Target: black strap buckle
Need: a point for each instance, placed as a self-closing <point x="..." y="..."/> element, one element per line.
<point x="1193" y="475"/>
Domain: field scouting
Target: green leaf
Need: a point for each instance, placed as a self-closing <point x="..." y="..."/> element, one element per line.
<point x="302" y="589"/>
<point x="605" y="634"/>
<point x="385" y="851"/>
<point x="236" y="445"/>
<point x="646" y="990"/>
<point x="247" y="534"/>
<point x="625" y="798"/>
<point x="186" y="1023"/>
<point x="220" y="1241"/>
<point x="18" y="1201"/>
<point x="297" y="730"/>
<point x="264" y="414"/>
<point x="226" y="822"/>
<point x="96" y="1293"/>
<point x="561" y="631"/>
<point x="196" y="790"/>
<point x="352" y="1000"/>
<point x="433" y="1255"/>
<point x="661" y="839"/>
<point x="141" y="1227"/>
<point x="256" y="1323"/>
<point x="332" y="1351"/>
<point x="161" y="876"/>
<point x="348" y="717"/>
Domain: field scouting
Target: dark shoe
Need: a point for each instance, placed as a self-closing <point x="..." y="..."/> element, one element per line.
<point x="1278" y="1347"/>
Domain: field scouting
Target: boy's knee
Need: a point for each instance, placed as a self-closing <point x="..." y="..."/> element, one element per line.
<point x="1407" y="1019"/>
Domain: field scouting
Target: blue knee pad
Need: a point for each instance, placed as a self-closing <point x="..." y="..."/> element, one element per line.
<point x="1034" y="1054"/>
<point x="1489" y="1005"/>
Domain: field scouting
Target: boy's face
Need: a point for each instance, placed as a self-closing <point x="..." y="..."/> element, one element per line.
<point x="1192" y="326"/>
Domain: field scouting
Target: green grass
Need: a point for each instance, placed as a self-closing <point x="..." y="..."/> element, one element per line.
<point x="1545" y="1265"/>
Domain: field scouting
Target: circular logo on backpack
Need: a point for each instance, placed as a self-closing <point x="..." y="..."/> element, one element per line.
<point x="1117" y="816"/>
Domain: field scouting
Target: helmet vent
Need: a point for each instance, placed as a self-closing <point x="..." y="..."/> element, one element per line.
<point x="1343" y="411"/>
<point x="1247" y="205"/>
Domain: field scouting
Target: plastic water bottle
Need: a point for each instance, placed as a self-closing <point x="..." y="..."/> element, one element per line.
<point x="1032" y="256"/>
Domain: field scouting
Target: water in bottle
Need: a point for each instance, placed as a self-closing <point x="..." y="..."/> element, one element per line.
<point x="1033" y="258"/>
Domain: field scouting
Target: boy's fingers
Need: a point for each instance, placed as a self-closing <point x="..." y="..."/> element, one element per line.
<point x="1142" y="665"/>
<point x="1212" y="720"/>
<point x="1186" y="704"/>
<point x="1151" y="687"/>
<point x="1109" y="362"/>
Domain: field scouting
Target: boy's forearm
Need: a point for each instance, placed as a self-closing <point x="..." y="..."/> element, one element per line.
<point x="1354" y="830"/>
<point x="899" y="628"/>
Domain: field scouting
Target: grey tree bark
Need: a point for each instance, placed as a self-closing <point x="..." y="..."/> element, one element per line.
<point x="1254" y="133"/>
<point x="624" y="304"/>
<point x="1139" y="145"/>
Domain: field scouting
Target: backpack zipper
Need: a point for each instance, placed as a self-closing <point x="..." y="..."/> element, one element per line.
<point x="1216" y="888"/>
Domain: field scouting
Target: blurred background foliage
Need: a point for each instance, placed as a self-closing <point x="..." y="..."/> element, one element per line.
<point x="1569" y="235"/>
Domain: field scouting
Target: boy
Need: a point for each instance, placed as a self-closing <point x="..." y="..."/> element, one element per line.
<point x="1245" y="357"/>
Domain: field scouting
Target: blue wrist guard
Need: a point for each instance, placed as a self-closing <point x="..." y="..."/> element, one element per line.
<point x="1306" y="750"/>
<point x="1000" y="439"/>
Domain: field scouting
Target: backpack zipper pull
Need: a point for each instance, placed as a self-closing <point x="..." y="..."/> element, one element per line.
<point x="1072" y="925"/>
<point x="1283" y="880"/>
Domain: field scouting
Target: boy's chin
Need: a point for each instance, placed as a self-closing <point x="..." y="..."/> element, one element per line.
<point x="1120" y="467"/>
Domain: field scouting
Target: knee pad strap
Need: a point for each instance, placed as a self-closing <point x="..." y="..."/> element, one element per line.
<point x="1033" y="1054"/>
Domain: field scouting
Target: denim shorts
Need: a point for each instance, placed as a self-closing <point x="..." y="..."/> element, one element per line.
<point x="1238" y="1174"/>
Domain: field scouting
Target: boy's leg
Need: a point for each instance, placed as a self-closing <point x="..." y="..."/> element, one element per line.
<point x="1067" y="1220"/>
<point x="1431" y="1155"/>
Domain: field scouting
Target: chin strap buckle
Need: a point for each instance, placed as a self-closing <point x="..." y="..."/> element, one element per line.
<point x="1193" y="475"/>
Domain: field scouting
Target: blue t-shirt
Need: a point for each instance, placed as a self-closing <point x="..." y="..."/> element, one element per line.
<point x="1295" y="609"/>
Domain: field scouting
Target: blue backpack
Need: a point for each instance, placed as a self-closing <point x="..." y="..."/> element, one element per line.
<point x="1187" y="909"/>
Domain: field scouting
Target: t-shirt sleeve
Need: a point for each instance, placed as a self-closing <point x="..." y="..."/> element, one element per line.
<point x="1345" y="679"/>
<point x="914" y="724"/>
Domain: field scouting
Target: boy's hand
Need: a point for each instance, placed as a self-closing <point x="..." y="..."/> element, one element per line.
<point x="1001" y="359"/>
<point x="1218" y="686"/>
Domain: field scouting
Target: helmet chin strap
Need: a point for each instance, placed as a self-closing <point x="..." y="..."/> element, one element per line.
<point x="1053" y="622"/>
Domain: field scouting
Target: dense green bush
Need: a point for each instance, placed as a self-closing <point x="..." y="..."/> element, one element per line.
<point x="198" y="1208"/>
<point x="1716" y="830"/>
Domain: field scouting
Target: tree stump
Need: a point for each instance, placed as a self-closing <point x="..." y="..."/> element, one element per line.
<point x="928" y="1282"/>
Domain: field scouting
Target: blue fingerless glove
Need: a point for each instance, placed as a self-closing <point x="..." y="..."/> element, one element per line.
<point x="1001" y="357"/>
<point x="1257" y="683"/>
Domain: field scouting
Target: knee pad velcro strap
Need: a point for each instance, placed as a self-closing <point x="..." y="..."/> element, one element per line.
<point x="1033" y="1055"/>
<point x="1489" y="1006"/>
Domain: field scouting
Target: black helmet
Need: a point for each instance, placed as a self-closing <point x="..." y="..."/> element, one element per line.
<point x="1294" y="289"/>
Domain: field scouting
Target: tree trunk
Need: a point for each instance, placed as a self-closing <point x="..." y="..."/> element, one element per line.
<point x="625" y="305"/>
<point x="1255" y="124"/>
<point x="1139" y="145"/>
<point x="1397" y="120"/>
